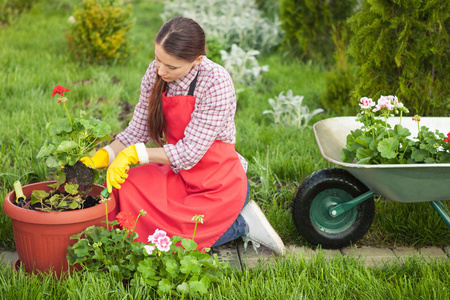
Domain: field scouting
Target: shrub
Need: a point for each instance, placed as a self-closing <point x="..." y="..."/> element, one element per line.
<point x="402" y="47"/>
<point x="9" y="9"/>
<point x="339" y="81"/>
<point x="99" y="31"/>
<point x="307" y="24"/>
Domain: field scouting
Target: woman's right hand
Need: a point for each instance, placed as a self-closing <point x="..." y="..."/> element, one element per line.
<point x="100" y="160"/>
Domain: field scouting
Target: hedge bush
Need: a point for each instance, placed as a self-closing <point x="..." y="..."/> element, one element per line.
<point x="308" y="24"/>
<point x="402" y="48"/>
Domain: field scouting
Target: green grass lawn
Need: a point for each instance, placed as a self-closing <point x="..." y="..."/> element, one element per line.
<point x="34" y="57"/>
<point x="291" y="278"/>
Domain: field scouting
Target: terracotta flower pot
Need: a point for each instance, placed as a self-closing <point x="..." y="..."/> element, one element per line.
<point x="42" y="237"/>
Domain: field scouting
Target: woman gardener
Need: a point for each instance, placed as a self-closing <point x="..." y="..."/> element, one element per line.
<point x="186" y="107"/>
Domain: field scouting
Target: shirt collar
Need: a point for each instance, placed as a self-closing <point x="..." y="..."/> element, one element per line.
<point x="186" y="80"/>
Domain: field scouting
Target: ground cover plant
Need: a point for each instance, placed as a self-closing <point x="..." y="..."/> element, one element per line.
<point x="279" y="158"/>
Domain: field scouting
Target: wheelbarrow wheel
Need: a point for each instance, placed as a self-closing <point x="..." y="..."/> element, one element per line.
<point x="311" y="209"/>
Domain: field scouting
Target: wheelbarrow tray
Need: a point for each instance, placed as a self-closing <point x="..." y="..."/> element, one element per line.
<point x="396" y="182"/>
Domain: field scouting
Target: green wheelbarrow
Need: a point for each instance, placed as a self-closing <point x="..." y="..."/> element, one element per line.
<point x="334" y="207"/>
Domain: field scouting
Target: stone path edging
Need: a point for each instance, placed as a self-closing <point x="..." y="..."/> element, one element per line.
<point x="234" y="254"/>
<point x="371" y="256"/>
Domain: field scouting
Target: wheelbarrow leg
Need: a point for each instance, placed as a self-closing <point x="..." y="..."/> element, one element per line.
<point x="442" y="211"/>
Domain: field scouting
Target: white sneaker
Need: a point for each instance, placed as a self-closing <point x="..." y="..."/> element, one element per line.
<point x="259" y="230"/>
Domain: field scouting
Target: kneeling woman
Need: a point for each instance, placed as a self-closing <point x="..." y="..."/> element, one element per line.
<point x="186" y="107"/>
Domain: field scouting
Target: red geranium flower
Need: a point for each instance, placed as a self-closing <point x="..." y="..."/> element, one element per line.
<point x="126" y="220"/>
<point x="448" y="138"/>
<point x="59" y="90"/>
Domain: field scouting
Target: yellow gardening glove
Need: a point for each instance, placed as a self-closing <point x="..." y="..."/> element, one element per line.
<point x="100" y="160"/>
<point x="117" y="171"/>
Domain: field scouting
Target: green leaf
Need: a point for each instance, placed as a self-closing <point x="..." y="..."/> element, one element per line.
<point x="60" y="178"/>
<point x="401" y="131"/>
<point x="73" y="205"/>
<point x="429" y="160"/>
<point x="145" y="267"/>
<point x="198" y="286"/>
<point x="76" y="236"/>
<point x="388" y="147"/>
<point x="39" y="194"/>
<point x="347" y="156"/>
<point x="189" y="244"/>
<point x="418" y="155"/>
<point x="172" y="266"/>
<point x="71" y="188"/>
<point x="59" y="126"/>
<point x="164" y="286"/>
<point x="66" y="146"/>
<point x="45" y="150"/>
<point x="190" y="264"/>
<point x="364" y="140"/>
<point x="183" y="288"/>
<point x="364" y="161"/>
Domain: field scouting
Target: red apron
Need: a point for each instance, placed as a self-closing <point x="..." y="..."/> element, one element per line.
<point x="215" y="187"/>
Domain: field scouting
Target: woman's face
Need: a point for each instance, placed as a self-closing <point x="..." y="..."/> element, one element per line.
<point x="171" y="68"/>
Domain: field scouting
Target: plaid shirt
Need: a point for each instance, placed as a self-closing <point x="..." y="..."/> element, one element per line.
<point x="212" y="119"/>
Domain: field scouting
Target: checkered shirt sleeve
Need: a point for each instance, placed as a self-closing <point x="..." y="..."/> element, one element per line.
<point x="212" y="119"/>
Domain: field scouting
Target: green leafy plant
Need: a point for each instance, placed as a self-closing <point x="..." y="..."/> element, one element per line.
<point x="242" y="65"/>
<point x="288" y="109"/>
<point x="72" y="138"/>
<point x="232" y="22"/>
<point x="169" y="265"/>
<point x="54" y="200"/>
<point x="376" y="142"/>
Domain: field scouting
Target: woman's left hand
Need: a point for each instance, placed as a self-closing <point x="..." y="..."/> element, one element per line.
<point x="117" y="171"/>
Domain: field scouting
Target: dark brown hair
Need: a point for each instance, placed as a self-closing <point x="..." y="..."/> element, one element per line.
<point x="184" y="39"/>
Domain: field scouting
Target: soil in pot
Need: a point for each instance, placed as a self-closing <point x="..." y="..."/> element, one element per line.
<point x="81" y="175"/>
<point x="90" y="201"/>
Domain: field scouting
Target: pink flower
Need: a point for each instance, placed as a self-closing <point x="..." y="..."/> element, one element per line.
<point x="154" y="238"/>
<point x="385" y="102"/>
<point x="163" y="243"/>
<point x="416" y="118"/>
<point x="366" y="103"/>
<point x="149" y="249"/>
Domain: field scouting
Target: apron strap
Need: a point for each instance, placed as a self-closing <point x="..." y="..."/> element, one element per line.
<point x="192" y="86"/>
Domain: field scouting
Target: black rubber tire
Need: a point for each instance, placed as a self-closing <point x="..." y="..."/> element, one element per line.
<point x="319" y="188"/>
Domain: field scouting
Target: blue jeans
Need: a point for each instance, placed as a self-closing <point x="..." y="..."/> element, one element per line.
<point x="237" y="229"/>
